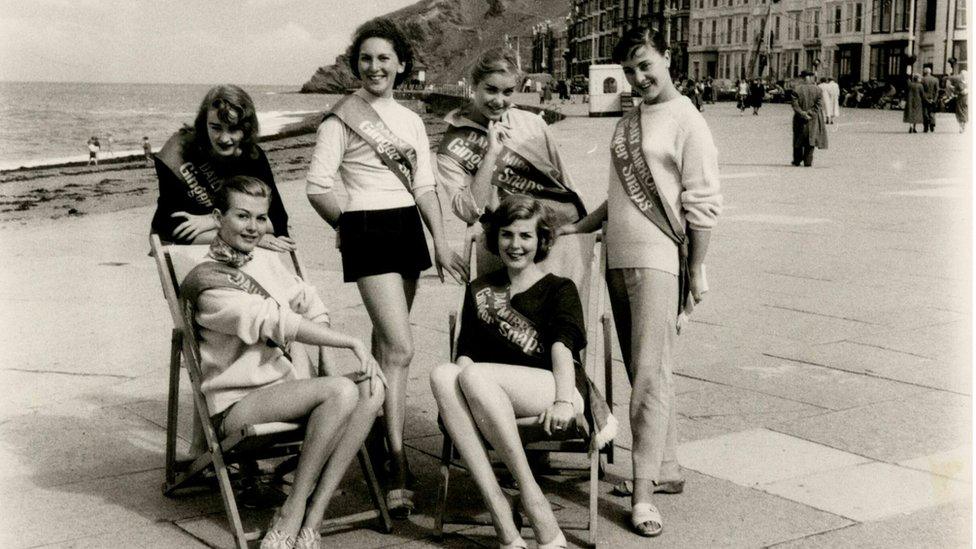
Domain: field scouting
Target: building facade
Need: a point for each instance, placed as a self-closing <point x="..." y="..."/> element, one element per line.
<point x="851" y="40"/>
<point x="550" y="48"/>
<point x="593" y="27"/>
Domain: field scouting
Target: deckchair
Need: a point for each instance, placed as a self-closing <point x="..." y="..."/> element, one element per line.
<point x="580" y="257"/>
<point x="252" y="442"/>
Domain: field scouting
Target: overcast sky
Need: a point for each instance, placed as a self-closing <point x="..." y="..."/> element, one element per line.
<point x="178" y="41"/>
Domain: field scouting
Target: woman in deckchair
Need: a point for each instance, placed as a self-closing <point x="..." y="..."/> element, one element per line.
<point x="222" y="143"/>
<point x="379" y="151"/>
<point x="663" y="201"/>
<point x="247" y="309"/>
<point x="518" y="350"/>
<point x="492" y="149"/>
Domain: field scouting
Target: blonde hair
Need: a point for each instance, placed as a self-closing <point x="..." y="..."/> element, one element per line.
<point x="495" y="60"/>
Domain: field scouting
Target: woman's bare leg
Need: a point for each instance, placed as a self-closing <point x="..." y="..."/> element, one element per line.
<point x="354" y="432"/>
<point x="457" y="418"/>
<point x="497" y="394"/>
<point x="388" y="298"/>
<point x="327" y="402"/>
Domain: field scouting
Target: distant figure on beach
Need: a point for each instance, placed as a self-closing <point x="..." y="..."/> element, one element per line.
<point x="190" y="166"/>
<point x="147" y="150"/>
<point x="809" y="129"/>
<point x="93" y="149"/>
<point x="491" y="149"/>
<point x="377" y="151"/>
<point x="913" y="104"/>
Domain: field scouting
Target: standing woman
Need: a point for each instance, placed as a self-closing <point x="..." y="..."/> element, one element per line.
<point x="222" y="143"/>
<point x="379" y="150"/>
<point x="492" y="149"/>
<point x="913" y="104"/>
<point x="663" y="201"/>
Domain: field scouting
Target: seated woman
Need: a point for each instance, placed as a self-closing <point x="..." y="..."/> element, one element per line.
<point x="247" y="309"/>
<point x="521" y="334"/>
<point x="222" y="143"/>
<point x="491" y="149"/>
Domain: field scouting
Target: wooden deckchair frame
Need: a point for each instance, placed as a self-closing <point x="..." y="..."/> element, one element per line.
<point x="597" y="319"/>
<point x="252" y="442"/>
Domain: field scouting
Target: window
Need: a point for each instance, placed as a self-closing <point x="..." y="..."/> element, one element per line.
<point x="901" y="15"/>
<point x="745" y="29"/>
<point x="610" y="85"/>
<point x="959" y="52"/>
<point x="837" y="17"/>
<point x="775" y="32"/>
<point x="880" y="15"/>
<point x="700" y="41"/>
<point x="858" y="8"/>
<point x="712" y="38"/>
<point x="815" y="23"/>
<point x="930" y="7"/>
<point x="796" y="26"/>
<point x="728" y="31"/>
<point x="960" y="15"/>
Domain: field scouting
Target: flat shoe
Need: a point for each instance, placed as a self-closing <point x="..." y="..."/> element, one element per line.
<point x="400" y="503"/>
<point x="308" y="539"/>
<point x="646" y="520"/>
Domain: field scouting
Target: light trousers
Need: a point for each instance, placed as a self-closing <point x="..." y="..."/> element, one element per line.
<point x="645" y="308"/>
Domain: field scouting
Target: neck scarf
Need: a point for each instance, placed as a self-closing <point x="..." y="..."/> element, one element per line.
<point x="223" y="252"/>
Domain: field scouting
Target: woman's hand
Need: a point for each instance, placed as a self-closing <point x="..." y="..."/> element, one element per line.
<point x="277" y="243"/>
<point x="558" y="417"/>
<point x="569" y="228"/>
<point x="447" y="259"/>
<point x="698" y="284"/>
<point x="369" y="369"/>
<point x="497" y="135"/>
<point x="193" y="226"/>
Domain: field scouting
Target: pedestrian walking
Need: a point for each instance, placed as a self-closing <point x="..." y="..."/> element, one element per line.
<point x="93" y="149"/>
<point x="663" y="200"/>
<point x="709" y="93"/>
<point x="930" y="99"/>
<point x="960" y="90"/>
<point x="913" y="104"/>
<point x="742" y="95"/>
<point x="809" y="131"/>
<point x="832" y="106"/>
<point x="757" y="93"/>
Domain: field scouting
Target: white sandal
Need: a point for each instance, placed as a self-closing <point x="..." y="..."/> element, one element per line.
<point x="518" y="543"/>
<point x="642" y="516"/>
<point x="558" y="543"/>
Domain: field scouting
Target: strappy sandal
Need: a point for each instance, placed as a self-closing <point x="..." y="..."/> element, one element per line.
<point x="559" y="542"/>
<point x="276" y="539"/>
<point x="400" y="503"/>
<point x="646" y="520"/>
<point x="626" y="487"/>
<point x="308" y="538"/>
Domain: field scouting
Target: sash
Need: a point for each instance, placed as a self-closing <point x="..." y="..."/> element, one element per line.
<point x="211" y="275"/>
<point x="635" y="176"/>
<point x="200" y="179"/>
<point x="398" y="155"/>
<point x="513" y="171"/>
<point x="493" y="306"/>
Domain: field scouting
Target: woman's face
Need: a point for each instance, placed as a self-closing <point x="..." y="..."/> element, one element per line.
<point x="245" y="221"/>
<point x="647" y="72"/>
<point x="225" y="137"/>
<point x="378" y="66"/>
<point x="519" y="242"/>
<point x="493" y="95"/>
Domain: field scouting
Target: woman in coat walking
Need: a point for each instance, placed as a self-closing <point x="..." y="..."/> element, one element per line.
<point x="913" y="104"/>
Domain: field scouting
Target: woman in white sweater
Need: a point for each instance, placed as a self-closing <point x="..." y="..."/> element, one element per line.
<point x="663" y="200"/>
<point x="379" y="151"/>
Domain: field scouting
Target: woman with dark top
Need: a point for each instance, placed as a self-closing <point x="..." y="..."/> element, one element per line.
<point x="222" y="143"/>
<point x="521" y="331"/>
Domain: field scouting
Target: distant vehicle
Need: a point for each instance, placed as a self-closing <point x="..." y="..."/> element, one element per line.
<point x="578" y="85"/>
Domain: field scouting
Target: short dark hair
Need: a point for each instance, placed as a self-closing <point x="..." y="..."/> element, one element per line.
<point x="243" y="184"/>
<point x="233" y="106"/>
<point x="513" y="208"/>
<point x="384" y="28"/>
<point x="494" y="60"/>
<point x="637" y="37"/>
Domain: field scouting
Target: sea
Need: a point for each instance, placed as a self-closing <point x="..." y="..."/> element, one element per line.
<point x="44" y="123"/>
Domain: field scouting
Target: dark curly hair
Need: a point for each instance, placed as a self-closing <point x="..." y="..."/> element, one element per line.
<point x="243" y="184"/>
<point x="234" y="106"/>
<point x="635" y="38"/>
<point x="384" y="28"/>
<point x="513" y="208"/>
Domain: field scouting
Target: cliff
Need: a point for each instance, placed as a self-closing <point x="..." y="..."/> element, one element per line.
<point x="449" y="34"/>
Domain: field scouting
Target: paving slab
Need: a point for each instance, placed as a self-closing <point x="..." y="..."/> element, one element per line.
<point x="956" y="463"/>
<point x="162" y="535"/>
<point x="894" y="430"/>
<point x="871" y="491"/>
<point x="946" y="526"/>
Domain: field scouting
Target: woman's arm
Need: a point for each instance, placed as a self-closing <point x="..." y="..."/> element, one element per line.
<point x="592" y="222"/>
<point x="445" y="258"/>
<point x="330" y="146"/>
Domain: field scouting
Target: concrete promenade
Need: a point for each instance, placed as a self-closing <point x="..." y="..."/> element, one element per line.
<point x="824" y="387"/>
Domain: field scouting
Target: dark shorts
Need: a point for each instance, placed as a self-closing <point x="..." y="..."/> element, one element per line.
<point x="375" y="242"/>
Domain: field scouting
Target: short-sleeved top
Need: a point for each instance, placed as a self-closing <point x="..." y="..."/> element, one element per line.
<point x="552" y="305"/>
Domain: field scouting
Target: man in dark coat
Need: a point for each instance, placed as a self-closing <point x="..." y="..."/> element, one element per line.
<point x="930" y="99"/>
<point x="757" y="92"/>
<point x="809" y="130"/>
<point x="913" y="104"/>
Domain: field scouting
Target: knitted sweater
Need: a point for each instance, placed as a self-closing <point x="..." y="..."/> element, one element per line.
<point x="678" y="147"/>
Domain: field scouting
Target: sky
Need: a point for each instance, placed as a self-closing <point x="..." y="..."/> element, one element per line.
<point x="177" y="41"/>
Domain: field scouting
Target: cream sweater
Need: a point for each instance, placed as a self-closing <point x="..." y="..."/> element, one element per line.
<point x="235" y="325"/>
<point x="678" y="147"/>
<point x="340" y="154"/>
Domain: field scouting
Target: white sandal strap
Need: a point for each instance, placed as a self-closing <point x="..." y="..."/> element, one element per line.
<point x="645" y="512"/>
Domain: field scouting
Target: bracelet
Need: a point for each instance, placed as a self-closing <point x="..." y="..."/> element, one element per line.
<point x="563" y="401"/>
